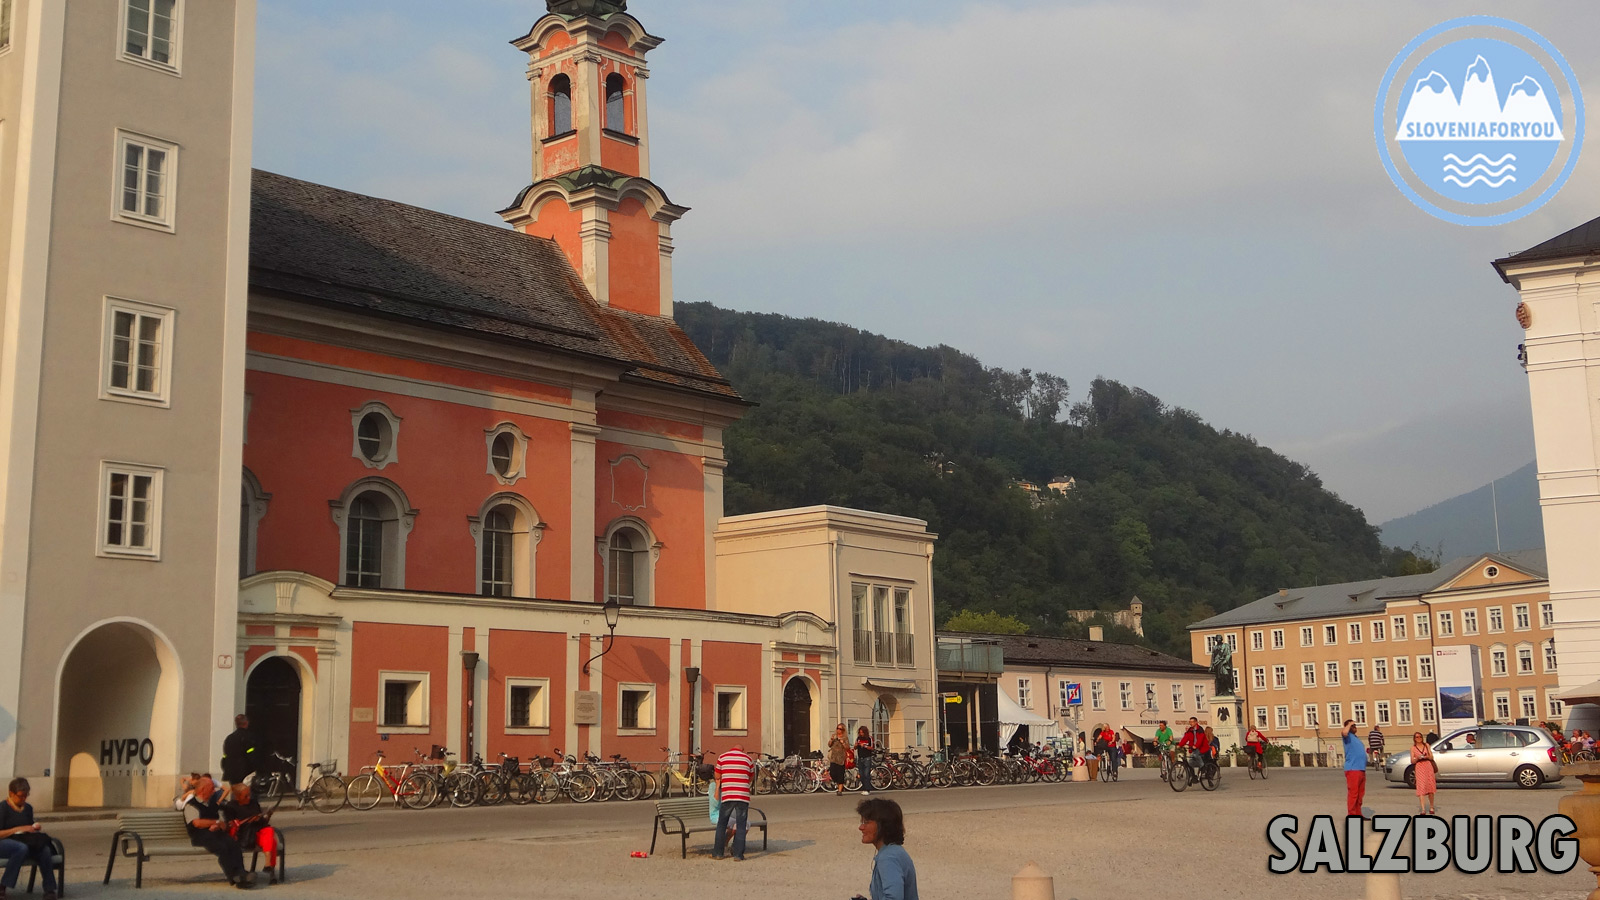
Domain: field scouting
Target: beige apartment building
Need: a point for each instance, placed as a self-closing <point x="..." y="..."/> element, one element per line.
<point x="125" y="131"/>
<point x="1306" y="659"/>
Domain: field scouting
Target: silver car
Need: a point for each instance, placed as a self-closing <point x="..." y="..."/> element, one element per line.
<point x="1486" y="753"/>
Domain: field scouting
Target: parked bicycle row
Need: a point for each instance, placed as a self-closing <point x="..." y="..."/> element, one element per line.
<point x="437" y="780"/>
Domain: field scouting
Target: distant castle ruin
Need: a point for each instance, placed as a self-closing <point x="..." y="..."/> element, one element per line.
<point x="1131" y="618"/>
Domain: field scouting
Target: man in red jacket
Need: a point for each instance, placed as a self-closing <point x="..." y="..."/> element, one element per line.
<point x="1194" y="738"/>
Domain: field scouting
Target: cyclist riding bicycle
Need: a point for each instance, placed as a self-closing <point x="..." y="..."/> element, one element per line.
<point x="1106" y="743"/>
<point x="1255" y="744"/>
<point x="1199" y="746"/>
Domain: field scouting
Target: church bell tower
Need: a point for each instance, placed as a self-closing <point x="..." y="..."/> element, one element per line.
<point x="591" y="190"/>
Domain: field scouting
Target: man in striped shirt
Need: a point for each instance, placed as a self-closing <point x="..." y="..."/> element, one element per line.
<point x="734" y="770"/>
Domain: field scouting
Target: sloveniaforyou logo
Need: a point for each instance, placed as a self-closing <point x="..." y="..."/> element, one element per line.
<point x="1479" y="121"/>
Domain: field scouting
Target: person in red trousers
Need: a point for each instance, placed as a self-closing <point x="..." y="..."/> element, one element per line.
<point x="1355" y="769"/>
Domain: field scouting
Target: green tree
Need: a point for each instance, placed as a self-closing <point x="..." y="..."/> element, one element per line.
<point x="989" y="622"/>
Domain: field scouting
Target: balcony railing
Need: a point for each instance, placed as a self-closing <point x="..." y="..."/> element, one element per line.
<point x="885" y="648"/>
<point x="963" y="655"/>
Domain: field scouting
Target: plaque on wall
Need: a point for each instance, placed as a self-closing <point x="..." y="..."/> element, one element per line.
<point x="586" y="707"/>
<point x="361" y="714"/>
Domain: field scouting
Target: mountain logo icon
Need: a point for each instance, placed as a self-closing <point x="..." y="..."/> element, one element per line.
<point x="1479" y="130"/>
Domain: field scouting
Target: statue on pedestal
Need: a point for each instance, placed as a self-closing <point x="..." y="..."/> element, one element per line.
<point x="1222" y="669"/>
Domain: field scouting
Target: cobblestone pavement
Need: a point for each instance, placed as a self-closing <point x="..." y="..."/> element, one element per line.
<point x="1134" y="839"/>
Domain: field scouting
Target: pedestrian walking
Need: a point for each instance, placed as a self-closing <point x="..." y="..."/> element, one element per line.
<point x="1375" y="745"/>
<point x="864" y="751"/>
<point x="238" y="752"/>
<point x="838" y="759"/>
<point x="734" y="771"/>
<point x="1355" y="769"/>
<point x="883" y="826"/>
<point x="1423" y="769"/>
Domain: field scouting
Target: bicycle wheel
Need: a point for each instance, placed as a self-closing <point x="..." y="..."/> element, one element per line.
<point x="418" y="792"/>
<point x="1210" y="777"/>
<point x="988" y="772"/>
<point x="852" y="780"/>
<point x="365" y="791"/>
<point x="882" y="778"/>
<point x="546" y="786"/>
<point x="807" y="781"/>
<point x="582" y="787"/>
<point x="327" y="794"/>
<point x="1178" y="778"/>
<point x="521" y="788"/>
<point x="1252" y="770"/>
<point x="650" y="784"/>
<point x="491" y="790"/>
<point x="765" y="782"/>
<point x="460" y="789"/>
<point x="1105" y="768"/>
<point x="1263" y="770"/>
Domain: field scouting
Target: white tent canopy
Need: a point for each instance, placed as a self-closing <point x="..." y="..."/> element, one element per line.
<point x="1589" y="693"/>
<point x="1011" y="716"/>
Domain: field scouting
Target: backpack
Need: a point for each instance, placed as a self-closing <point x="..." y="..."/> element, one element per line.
<point x="849" y="757"/>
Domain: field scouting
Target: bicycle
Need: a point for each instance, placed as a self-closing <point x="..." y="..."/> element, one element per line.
<point x="414" y="791"/>
<point x="566" y="779"/>
<point x="1166" y="764"/>
<point x="1184" y="774"/>
<point x="325" y="792"/>
<point x="1258" y="766"/>
<point x="1108" y="772"/>
<point x="690" y="783"/>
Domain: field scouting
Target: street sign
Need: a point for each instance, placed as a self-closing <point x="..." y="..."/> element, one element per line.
<point x="1074" y="694"/>
<point x="952" y="698"/>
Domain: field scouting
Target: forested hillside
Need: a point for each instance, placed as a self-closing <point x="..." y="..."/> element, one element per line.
<point x="1190" y="519"/>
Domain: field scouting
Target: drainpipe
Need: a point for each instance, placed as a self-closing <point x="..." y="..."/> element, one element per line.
<point x="839" y="629"/>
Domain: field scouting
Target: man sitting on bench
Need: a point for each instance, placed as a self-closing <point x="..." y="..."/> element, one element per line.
<point x="207" y="831"/>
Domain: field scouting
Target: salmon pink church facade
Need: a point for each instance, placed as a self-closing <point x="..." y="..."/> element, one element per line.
<point x="480" y="503"/>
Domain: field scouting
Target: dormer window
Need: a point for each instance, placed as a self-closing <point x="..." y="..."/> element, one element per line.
<point x="560" y="105"/>
<point x="616" y="119"/>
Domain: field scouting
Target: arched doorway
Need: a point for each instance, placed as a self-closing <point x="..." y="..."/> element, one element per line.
<point x="118" y="696"/>
<point x="272" y="701"/>
<point x="796" y="717"/>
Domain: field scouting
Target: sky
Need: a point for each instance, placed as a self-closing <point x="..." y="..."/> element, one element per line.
<point x="1182" y="195"/>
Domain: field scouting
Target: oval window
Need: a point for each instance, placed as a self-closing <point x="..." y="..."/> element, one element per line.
<point x="372" y="435"/>
<point x="502" y="453"/>
<point x="1491" y="571"/>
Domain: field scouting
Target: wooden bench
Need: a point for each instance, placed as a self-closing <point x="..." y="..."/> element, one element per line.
<point x="684" y="816"/>
<point x="59" y="863"/>
<point x="147" y="834"/>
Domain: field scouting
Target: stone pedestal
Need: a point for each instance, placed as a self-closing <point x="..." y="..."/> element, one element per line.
<point x="1227" y="721"/>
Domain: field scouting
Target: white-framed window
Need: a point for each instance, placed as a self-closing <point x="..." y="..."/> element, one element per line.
<point x="1307" y="635"/>
<point x="922" y="732"/>
<point x="1524" y="659"/>
<point x="1497" y="622"/>
<point x="1177" y="698"/>
<point x="1025" y="693"/>
<point x="1150" y="691"/>
<point x="1402" y="669"/>
<point x="1377" y="630"/>
<point x="1062" y="696"/>
<point x="1497" y="660"/>
<point x="146" y="181"/>
<point x="1521" y="618"/>
<point x="1256" y="642"/>
<point x="1402" y="712"/>
<point x="135" y="355"/>
<point x="1529" y="703"/>
<point x="1281" y="718"/>
<point x="506" y="531"/>
<point x="1355" y="632"/>
<point x="1549" y="656"/>
<point x="1308" y="674"/>
<point x="1330" y="672"/>
<point x="527" y="704"/>
<point x="1425" y="668"/>
<point x="1310" y="711"/>
<point x="374" y="518"/>
<point x="1125" y="691"/>
<point x="1280" y="677"/>
<point x="5" y="25"/>
<point x="1426" y="705"/>
<point x="1547" y="615"/>
<point x="1335" y="714"/>
<point x="1423" y="626"/>
<point x="404" y="698"/>
<point x="1399" y="627"/>
<point x="730" y="709"/>
<point x="1380" y="671"/>
<point x="1097" y="694"/>
<point x="506" y="447"/>
<point x="630" y="568"/>
<point x="1447" y="624"/>
<point x="130" y="510"/>
<point x="636" y="708"/>
<point x="1502" y="705"/>
<point x="375" y="435"/>
<point x="1233" y="641"/>
<point x="1261" y="717"/>
<point x="150" y="32"/>
<point x="1557" y="708"/>
<point x="1358" y="712"/>
<point x="1258" y="678"/>
<point x="1330" y="635"/>
<point x="1277" y="638"/>
<point x="1358" y="672"/>
<point x="1199" y="697"/>
<point x="1469" y="621"/>
<point x="1383" y="713"/>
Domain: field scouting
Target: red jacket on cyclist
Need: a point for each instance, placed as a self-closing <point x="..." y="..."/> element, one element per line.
<point x="1254" y="740"/>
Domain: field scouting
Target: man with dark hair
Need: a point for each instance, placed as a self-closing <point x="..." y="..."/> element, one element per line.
<point x="21" y="840"/>
<point x="206" y="830"/>
<point x="884" y="827"/>
<point x="1375" y="745"/>
<point x="238" y="752"/>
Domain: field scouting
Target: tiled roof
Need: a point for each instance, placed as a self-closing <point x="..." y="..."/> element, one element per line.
<point x="1580" y="241"/>
<point x="1032" y="650"/>
<point x="325" y="245"/>
<point x="1363" y="597"/>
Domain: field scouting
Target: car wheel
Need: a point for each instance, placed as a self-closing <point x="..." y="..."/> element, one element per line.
<point x="1528" y="777"/>
<point x="1411" y="777"/>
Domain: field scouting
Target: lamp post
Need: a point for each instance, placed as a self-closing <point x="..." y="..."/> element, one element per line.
<point x="691" y="674"/>
<point x="612" y="610"/>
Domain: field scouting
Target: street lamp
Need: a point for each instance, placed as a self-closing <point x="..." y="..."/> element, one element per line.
<point x="691" y="674"/>
<point x="1150" y="698"/>
<point x="612" y="610"/>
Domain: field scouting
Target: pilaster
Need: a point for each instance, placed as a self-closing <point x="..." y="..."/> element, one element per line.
<point x="582" y="512"/>
<point x="595" y="236"/>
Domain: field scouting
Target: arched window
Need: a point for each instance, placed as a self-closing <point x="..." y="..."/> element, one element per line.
<point x="629" y="551"/>
<point x="615" y="114"/>
<point x="560" y="105"/>
<point x="622" y="569"/>
<point x="252" y="506"/>
<point x="499" y="536"/>
<point x="373" y="518"/>
<point x="507" y="531"/>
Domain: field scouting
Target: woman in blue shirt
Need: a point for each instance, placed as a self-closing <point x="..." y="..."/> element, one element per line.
<point x="883" y="826"/>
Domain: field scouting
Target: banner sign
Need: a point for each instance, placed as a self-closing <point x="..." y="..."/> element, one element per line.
<point x="1458" y="673"/>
